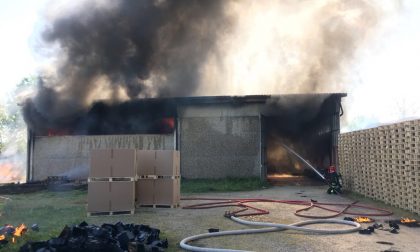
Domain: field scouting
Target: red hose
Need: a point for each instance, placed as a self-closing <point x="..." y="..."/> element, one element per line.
<point x="242" y="203"/>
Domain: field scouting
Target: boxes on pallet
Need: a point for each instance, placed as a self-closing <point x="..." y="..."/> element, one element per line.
<point x="160" y="191"/>
<point x="115" y="196"/>
<point x="112" y="163"/>
<point x="158" y="162"/>
<point x="159" y="182"/>
<point x="145" y="192"/>
<point x="98" y="196"/>
<point x="167" y="191"/>
<point x="122" y="196"/>
<point x="146" y="162"/>
<point x="167" y="163"/>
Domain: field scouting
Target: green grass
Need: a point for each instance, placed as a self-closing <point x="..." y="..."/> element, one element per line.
<point x="222" y="185"/>
<point x="50" y="210"/>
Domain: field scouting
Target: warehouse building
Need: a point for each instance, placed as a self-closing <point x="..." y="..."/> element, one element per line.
<point x="217" y="136"/>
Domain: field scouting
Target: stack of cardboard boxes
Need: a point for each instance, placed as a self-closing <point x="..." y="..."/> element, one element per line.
<point x="158" y="181"/>
<point x="121" y="179"/>
<point x="112" y="175"/>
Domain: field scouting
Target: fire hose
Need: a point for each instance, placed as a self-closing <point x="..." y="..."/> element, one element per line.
<point x="272" y="227"/>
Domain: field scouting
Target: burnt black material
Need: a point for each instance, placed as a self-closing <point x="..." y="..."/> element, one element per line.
<point x="394" y="225"/>
<point x="368" y="230"/>
<point x="377" y="226"/>
<point x="394" y="231"/>
<point x="35" y="227"/>
<point x="108" y="237"/>
<point x="408" y="224"/>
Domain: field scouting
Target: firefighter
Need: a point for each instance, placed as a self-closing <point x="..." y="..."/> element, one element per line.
<point x="333" y="179"/>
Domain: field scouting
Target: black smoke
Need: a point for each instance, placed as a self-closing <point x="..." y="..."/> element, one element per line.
<point x="146" y="48"/>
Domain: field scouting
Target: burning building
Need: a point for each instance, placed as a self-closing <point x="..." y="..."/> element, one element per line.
<point x="117" y="66"/>
<point x="217" y="136"/>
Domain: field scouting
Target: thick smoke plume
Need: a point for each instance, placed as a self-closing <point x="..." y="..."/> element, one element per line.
<point x="122" y="50"/>
<point x="292" y="46"/>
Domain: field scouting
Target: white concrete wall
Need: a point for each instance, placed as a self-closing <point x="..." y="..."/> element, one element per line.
<point x="69" y="155"/>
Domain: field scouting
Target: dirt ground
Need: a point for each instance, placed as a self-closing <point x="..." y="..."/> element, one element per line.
<point x="180" y="223"/>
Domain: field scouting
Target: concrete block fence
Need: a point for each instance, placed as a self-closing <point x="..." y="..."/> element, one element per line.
<point x="383" y="163"/>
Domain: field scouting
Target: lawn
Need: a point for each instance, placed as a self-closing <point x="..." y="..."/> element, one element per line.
<point x="222" y="185"/>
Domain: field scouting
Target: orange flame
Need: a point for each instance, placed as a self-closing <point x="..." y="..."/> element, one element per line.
<point x="362" y="219"/>
<point x="407" y="220"/>
<point x="279" y="175"/>
<point x="19" y="231"/>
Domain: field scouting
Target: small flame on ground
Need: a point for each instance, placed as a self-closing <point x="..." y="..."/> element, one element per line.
<point x="20" y="230"/>
<point x="408" y="220"/>
<point x="362" y="219"/>
<point x="280" y="175"/>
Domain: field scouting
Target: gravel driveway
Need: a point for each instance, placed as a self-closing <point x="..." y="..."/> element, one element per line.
<point x="179" y="223"/>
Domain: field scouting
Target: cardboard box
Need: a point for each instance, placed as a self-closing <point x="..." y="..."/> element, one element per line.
<point x="100" y="163"/>
<point x="122" y="196"/>
<point x="167" y="191"/>
<point x="105" y="196"/>
<point x="145" y="192"/>
<point x="146" y="162"/>
<point x="123" y="163"/>
<point x="99" y="197"/>
<point x="158" y="162"/>
<point x="113" y="163"/>
<point x="162" y="191"/>
<point x="167" y="163"/>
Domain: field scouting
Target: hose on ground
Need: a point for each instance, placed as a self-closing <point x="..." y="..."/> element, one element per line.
<point x="244" y="204"/>
<point x="269" y="227"/>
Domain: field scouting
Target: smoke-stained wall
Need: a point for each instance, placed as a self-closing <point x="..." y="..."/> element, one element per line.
<point x="70" y="155"/>
<point x="220" y="141"/>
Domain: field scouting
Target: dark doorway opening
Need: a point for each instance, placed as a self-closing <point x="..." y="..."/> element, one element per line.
<point x="307" y="129"/>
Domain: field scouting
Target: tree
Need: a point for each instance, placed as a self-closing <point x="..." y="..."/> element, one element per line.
<point x="12" y="126"/>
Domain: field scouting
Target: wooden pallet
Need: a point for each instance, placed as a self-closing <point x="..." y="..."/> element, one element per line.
<point x="128" y="212"/>
<point x="111" y="179"/>
<point x="160" y="206"/>
<point x="158" y="177"/>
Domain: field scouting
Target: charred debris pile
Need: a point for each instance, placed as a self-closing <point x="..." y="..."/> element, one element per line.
<point x="107" y="237"/>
